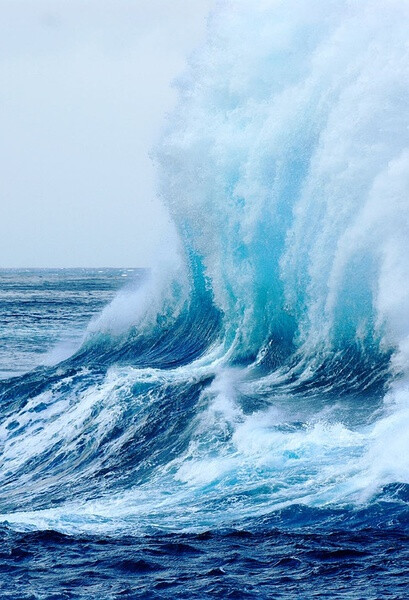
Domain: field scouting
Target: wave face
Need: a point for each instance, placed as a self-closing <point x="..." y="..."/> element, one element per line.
<point x="265" y="366"/>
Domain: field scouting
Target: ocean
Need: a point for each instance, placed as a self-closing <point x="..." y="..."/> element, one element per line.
<point x="232" y="423"/>
<point x="97" y="453"/>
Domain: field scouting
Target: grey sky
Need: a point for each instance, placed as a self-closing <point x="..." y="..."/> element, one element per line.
<point x="84" y="87"/>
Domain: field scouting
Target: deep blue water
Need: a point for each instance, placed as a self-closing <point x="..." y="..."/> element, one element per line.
<point x="273" y="563"/>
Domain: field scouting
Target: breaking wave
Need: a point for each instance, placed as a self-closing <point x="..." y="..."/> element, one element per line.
<point x="264" y="364"/>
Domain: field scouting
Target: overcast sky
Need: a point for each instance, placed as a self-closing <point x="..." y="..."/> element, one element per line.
<point x="84" y="87"/>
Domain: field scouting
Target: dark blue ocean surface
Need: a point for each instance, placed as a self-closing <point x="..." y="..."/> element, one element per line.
<point x="367" y="561"/>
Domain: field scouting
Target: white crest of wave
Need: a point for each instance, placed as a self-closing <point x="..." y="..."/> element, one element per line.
<point x="285" y="167"/>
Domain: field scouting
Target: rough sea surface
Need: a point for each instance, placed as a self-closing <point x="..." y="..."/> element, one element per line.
<point x="294" y="552"/>
<point x="234" y="423"/>
<point x="44" y="312"/>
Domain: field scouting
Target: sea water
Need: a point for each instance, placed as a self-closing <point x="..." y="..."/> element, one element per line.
<point x="233" y="423"/>
<point x="190" y="539"/>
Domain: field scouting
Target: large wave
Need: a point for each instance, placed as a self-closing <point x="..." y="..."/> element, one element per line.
<point x="267" y="365"/>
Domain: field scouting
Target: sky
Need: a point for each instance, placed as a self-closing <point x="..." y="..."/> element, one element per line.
<point x="84" y="89"/>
